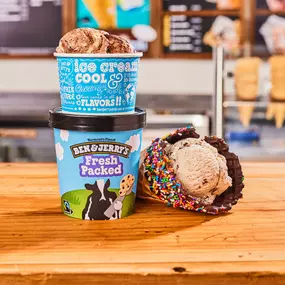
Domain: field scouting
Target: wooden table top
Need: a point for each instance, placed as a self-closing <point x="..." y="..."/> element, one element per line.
<point x="156" y="245"/>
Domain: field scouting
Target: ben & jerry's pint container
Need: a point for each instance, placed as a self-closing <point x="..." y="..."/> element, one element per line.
<point x="98" y="162"/>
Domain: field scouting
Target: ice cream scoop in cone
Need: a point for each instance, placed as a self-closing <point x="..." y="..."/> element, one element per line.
<point x="185" y="171"/>
<point x="103" y="11"/>
<point x="246" y="82"/>
<point x="224" y="32"/>
<point x="277" y="67"/>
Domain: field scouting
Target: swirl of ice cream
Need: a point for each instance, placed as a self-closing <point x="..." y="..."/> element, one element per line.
<point x="119" y="44"/>
<point x="90" y="41"/>
<point x="84" y="40"/>
<point x="201" y="169"/>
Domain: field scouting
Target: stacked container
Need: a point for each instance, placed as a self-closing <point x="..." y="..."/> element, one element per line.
<point x="98" y="134"/>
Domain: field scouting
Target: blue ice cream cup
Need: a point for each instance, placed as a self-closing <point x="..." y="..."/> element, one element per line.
<point x="98" y="163"/>
<point x="98" y="84"/>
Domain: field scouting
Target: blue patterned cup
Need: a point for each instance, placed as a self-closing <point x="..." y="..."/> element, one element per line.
<point x="99" y="84"/>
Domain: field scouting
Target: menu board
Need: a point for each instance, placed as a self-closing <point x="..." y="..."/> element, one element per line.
<point x="192" y="34"/>
<point x="260" y="45"/>
<point x="261" y="4"/>
<point x="186" y="5"/>
<point x="197" y="5"/>
<point x="272" y="5"/>
<point x="29" y="27"/>
<point x="270" y="35"/>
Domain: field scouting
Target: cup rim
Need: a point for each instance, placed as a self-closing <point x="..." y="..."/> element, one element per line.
<point x="100" y="55"/>
<point x="97" y="123"/>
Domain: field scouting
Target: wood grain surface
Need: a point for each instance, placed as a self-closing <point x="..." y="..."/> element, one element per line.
<point x="156" y="245"/>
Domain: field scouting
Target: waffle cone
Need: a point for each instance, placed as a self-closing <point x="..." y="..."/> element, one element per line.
<point x="247" y="92"/>
<point x="234" y="193"/>
<point x="276" y="111"/>
<point x="278" y="93"/>
<point x="279" y="115"/>
<point x="248" y="64"/>
<point x="277" y="66"/>
<point x="245" y="114"/>
<point x="277" y="62"/>
<point x="104" y="11"/>
<point x="149" y="189"/>
<point x="246" y="78"/>
<point x="270" y="112"/>
<point x="143" y="189"/>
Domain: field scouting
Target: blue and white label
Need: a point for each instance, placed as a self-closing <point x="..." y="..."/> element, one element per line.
<point x="98" y="172"/>
<point x="98" y="85"/>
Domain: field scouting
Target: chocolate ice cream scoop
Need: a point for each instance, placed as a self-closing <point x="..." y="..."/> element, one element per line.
<point x="84" y="40"/>
<point x="119" y="44"/>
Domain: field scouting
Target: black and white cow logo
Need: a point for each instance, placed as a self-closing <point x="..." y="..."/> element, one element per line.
<point x="99" y="201"/>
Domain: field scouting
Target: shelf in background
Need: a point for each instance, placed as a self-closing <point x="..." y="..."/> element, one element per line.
<point x="228" y="104"/>
<point x="266" y="12"/>
<point x="203" y="13"/>
<point x="185" y="55"/>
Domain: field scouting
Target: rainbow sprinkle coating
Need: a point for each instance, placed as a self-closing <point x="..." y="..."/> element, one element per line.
<point x="163" y="182"/>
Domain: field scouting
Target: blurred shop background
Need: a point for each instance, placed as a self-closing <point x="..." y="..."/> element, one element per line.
<point x="177" y="74"/>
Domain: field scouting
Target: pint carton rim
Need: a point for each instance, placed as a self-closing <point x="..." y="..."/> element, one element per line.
<point x="100" y="55"/>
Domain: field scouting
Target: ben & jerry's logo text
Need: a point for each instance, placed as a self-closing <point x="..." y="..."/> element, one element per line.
<point x="86" y="148"/>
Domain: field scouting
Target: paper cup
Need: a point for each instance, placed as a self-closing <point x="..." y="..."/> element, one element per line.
<point x="98" y="84"/>
<point x="98" y="161"/>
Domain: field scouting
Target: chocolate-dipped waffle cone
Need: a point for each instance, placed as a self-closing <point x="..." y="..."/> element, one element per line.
<point x="158" y="181"/>
<point x="143" y="189"/>
<point x="234" y="193"/>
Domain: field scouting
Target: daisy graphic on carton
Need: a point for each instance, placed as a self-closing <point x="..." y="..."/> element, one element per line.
<point x="59" y="151"/>
<point x="135" y="142"/>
